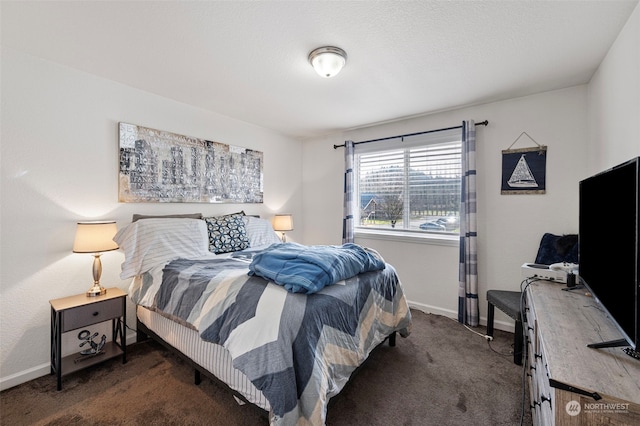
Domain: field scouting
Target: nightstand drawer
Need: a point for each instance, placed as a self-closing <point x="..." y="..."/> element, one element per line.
<point x="93" y="313"/>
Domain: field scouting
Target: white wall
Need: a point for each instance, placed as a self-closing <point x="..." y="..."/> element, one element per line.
<point x="60" y="165"/>
<point x="509" y="226"/>
<point x="614" y="101"/>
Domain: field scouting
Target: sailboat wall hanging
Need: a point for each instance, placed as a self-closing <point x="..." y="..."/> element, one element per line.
<point x="524" y="170"/>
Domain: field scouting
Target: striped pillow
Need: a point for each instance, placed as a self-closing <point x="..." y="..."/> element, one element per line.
<point x="147" y="243"/>
<point x="260" y="232"/>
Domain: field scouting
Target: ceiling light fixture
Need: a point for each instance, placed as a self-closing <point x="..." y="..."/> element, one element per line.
<point x="328" y="60"/>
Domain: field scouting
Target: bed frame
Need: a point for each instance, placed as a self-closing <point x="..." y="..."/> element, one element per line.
<point x="144" y="333"/>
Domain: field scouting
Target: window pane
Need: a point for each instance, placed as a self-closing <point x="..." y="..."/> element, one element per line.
<point x="381" y="185"/>
<point x="416" y="188"/>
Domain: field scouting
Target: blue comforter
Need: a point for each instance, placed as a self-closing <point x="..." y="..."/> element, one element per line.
<point x="308" y="269"/>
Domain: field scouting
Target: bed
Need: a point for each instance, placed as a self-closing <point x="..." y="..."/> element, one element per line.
<point x="283" y="325"/>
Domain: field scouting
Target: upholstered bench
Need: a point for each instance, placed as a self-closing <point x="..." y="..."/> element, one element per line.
<point x="509" y="303"/>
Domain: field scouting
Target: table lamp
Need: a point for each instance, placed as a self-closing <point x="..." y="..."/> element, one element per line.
<point x="95" y="237"/>
<point x="283" y="222"/>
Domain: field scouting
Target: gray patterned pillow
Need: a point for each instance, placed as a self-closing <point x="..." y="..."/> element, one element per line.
<point x="226" y="233"/>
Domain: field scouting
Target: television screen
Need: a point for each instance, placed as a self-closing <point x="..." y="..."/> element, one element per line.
<point x="608" y="244"/>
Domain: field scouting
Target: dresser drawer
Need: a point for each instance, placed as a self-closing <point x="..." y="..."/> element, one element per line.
<point x="93" y="313"/>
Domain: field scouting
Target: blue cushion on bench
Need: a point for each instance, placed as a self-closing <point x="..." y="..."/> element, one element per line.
<point x="558" y="248"/>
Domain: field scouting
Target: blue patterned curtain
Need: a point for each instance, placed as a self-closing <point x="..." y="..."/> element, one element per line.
<point x="347" y="221"/>
<point x="468" y="310"/>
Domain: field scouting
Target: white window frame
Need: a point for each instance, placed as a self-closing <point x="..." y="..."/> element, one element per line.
<point x="403" y="235"/>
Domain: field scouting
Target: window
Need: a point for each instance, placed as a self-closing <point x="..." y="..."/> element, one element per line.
<point x="409" y="185"/>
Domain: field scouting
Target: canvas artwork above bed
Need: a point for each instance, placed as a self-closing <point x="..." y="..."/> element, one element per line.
<point x="293" y="321"/>
<point x="163" y="167"/>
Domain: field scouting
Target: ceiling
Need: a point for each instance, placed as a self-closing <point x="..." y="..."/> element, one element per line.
<point x="248" y="59"/>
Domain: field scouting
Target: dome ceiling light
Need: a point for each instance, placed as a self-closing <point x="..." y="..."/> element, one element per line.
<point x="328" y="60"/>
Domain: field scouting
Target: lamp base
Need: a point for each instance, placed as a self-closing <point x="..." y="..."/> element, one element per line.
<point x="96" y="290"/>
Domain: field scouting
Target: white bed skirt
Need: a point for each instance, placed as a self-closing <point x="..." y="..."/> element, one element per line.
<point x="214" y="358"/>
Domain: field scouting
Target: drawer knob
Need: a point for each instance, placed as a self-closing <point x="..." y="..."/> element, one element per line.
<point x="95" y="314"/>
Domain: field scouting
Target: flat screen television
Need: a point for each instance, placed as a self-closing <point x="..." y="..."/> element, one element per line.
<point x="608" y="239"/>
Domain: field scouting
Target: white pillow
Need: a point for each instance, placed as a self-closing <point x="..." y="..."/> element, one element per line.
<point x="149" y="242"/>
<point x="260" y="231"/>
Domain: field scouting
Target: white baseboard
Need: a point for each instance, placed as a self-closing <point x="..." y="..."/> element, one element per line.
<point x="497" y="324"/>
<point x="42" y="370"/>
<point x="24" y="376"/>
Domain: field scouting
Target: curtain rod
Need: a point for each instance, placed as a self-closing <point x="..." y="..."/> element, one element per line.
<point x="482" y="123"/>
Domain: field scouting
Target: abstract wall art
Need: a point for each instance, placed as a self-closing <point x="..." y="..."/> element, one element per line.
<point x="163" y="167"/>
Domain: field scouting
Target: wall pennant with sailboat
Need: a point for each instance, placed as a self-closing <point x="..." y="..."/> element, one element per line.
<point x="524" y="170"/>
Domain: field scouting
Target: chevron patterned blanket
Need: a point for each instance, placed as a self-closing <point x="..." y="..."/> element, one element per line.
<point x="298" y="349"/>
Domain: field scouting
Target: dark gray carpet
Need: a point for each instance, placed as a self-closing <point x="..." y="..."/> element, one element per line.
<point x="442" y="374"/>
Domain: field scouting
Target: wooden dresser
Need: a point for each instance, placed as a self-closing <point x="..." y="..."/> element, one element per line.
<point x="565" y="377"/>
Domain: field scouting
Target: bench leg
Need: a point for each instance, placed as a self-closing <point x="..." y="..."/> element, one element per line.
<point x="490" y="309"/>
<point x="518" y="344"/>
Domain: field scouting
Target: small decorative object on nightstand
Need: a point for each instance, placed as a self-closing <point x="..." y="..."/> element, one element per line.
<point x="72" y="313"/>
<point x="87" y="338"/>
<point x="95" y="237"/>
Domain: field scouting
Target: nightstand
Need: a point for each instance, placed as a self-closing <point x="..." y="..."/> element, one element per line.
<point x="76" y="312"/>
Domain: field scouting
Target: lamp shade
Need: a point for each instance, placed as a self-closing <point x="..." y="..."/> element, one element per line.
<point x="95" y="237"/>
<point x="328" y="60"/>
<point x="283" y="222"/>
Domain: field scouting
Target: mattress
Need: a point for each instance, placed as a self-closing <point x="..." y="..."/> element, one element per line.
<point x="212" y="357"/>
